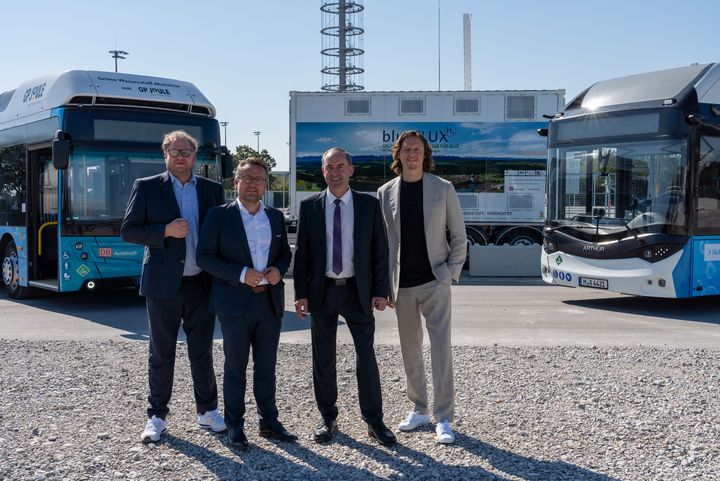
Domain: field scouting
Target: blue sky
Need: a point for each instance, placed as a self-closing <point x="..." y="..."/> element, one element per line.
<point x="247" y="55"/>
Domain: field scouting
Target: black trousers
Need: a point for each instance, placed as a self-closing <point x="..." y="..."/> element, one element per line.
<point x="343" y="301"/>
<point x="256" y="326"/>
<point x="191" y="308"/>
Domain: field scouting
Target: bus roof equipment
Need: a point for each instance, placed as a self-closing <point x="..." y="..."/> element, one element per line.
<point x="34" y="99"/>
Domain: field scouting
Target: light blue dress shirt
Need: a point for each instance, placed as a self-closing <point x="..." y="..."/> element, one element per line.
<point x="187" y="199"/>
<point x="259" y="236"/>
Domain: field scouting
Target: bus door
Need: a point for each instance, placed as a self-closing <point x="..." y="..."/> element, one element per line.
<point x="43" y="216"/>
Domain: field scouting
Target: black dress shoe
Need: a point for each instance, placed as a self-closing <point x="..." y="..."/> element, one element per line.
<point x="383" y="435"/>
<point x="275" y="429"/>
<point x="324" y="431"/>
<point x="237" y="439"/>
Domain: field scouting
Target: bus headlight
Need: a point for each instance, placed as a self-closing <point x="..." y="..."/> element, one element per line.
<point x="659" y="252"/>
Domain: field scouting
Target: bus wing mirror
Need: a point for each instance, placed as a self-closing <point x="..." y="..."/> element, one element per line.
<point x="705" y="128"/>
<point x="542" y="132"/>
<point x="61" y="146"/>
<point x="226" y="162"/>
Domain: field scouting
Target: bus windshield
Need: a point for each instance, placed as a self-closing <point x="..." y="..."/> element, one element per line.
<point x="100" y="180"/>
<point x="619" y="186"/>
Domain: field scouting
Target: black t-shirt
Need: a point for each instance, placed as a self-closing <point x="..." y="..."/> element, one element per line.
<point x="415" y="267"/>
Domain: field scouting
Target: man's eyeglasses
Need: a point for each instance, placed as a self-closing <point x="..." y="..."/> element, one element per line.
<point x="181" y="152"/>
<point x="249" y="179"/>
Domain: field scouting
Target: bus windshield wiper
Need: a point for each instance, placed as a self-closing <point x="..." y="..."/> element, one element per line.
<point x="630" y="230"/>
<point x="569" y="226"/>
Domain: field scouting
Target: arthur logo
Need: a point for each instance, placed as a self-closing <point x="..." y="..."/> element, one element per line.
<point x="591" y="248"/>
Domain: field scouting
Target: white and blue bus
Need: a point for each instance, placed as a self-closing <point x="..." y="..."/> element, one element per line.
<point x="633" y="193"/>
<point x="71" y="145"/>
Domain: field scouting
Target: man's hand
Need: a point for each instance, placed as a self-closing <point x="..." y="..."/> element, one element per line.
<point x="272" y="274"/>
<point x="253" y="277"/>
<point x="390" y="303"/>
<point x="301" y="308"/>
<point x="178" y="228"/>
<point x="378" y="303"/>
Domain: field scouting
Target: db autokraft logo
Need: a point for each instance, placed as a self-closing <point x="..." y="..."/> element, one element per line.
<point x="595" y="249"/>
<point x="105" y="252"/>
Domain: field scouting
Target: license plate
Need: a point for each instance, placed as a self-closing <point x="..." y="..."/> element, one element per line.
<point x="595" y="283"/>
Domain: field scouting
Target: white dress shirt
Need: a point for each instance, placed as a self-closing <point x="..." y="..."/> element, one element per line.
<point x="347" y="221"/>
<point x="259" y="236"/>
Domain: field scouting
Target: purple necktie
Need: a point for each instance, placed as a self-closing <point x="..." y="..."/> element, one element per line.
<point x="337" y="239"/>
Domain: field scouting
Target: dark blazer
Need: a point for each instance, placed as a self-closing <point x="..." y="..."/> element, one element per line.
<point x="370" y="255"/>
<point x="223" y="251"/>
<point x="151" y="206"/>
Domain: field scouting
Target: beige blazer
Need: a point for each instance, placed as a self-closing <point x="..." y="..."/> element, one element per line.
<point x="441" y="211"/>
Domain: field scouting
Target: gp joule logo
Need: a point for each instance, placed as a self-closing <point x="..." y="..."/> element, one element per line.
<point x="34" y="93"/>
<point x="154" y="90"/>
<point x="592" y="248"/>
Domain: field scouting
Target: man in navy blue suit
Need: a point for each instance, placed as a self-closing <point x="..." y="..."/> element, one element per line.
<point x="341" y="269"/>
<point x="164" y="214"/>
<point x="244" y="246"/>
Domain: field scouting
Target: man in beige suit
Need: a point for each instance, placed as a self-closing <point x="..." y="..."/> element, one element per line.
<point x="418" y="207"/>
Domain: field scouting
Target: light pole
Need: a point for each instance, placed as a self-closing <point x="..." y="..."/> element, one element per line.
<point x="257" y="134"/>
<point x="116" y="54"/>
<point x="225" y="124"/>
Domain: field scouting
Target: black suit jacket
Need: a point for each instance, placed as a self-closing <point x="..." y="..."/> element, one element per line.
<point x="223" y="251"/>
<point x="152" y="205"/>
<point x="370" y="255"/>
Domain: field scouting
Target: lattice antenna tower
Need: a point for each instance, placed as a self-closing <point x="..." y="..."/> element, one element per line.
<point x="342" y="45"/>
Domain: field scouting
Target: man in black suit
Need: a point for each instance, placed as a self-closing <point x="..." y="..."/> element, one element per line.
<point x="164" y="214"/>
<point x="244" y="246"/>
<point x="341" y="268"/>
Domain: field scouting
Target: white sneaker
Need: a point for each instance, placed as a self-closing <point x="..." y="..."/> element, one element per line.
<point x="414" y="420"/>
<point x="212" y="420"/>
<point x="444" y="434"/>
<point x="154" y="428"/>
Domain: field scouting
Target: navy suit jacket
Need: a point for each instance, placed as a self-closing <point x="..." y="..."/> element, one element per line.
<point x="152" y="205"/>
<point x="370" y="251"/>
<point x="223" y="251"/>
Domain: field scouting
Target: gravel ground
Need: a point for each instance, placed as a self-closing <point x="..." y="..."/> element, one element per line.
<point x="74" y="411"/>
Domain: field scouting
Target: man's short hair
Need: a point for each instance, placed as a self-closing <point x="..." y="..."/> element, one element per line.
<point x="428" y="164"/>
<point x="171" y="137"/>
<point x="251" y="161"/>
<point x="337" y="149"/>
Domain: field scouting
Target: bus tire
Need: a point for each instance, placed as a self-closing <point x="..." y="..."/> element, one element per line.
<point x="11" y="273"/>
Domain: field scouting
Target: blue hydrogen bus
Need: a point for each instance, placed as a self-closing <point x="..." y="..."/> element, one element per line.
<point x="633" y="186"/>
<point x="71" y="146"/>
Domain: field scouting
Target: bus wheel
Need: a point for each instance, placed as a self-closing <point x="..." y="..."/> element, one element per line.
<point x="11" y="273"/>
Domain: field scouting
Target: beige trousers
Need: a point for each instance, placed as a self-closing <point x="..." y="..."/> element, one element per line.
<point x="432" y="300"/>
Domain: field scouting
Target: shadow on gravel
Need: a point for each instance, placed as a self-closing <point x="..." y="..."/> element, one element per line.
<point x="259" y="463"/>
<point x="418" y="465"/>
<point x="702" y="309"/>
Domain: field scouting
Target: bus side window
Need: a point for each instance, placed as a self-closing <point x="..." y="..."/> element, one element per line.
<point x="12" y="185"/>
<point x="708" y="184"/>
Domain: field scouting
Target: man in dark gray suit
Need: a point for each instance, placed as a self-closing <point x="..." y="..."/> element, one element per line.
<point x="164" y="214"/>
<point x="244" y="246"/>
<point x="341" y="268"/>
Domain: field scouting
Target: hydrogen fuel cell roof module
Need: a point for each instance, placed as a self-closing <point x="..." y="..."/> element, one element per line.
<point x="33" y="100"/>
<point x="653" y="86"/>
